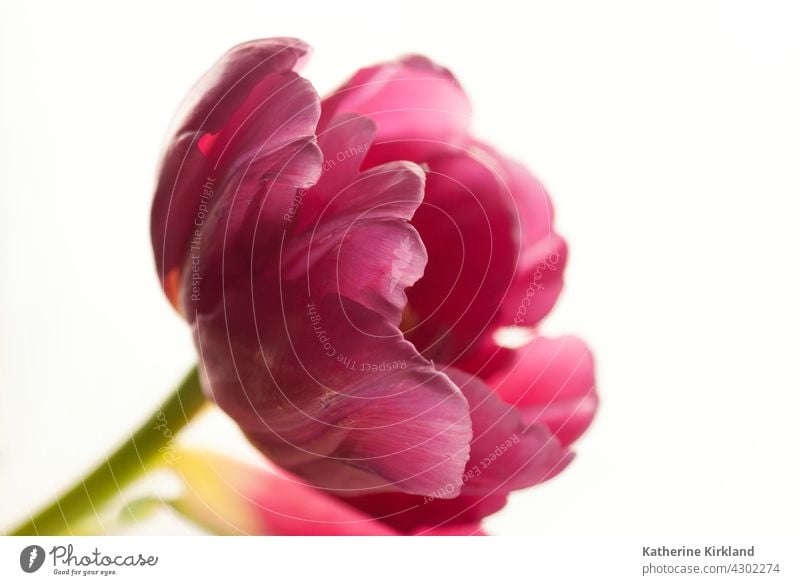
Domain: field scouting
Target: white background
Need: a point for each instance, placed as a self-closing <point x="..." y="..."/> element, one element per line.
<point x="668" y="134"/>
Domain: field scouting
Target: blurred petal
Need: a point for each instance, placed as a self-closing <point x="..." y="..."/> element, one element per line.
<point x="552" y="383"/>
<point x="230" y="497"/>
<point x="227" y="496"/>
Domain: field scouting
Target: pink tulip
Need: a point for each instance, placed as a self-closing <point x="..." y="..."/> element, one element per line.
<point x="346" y="266"/>
<point x="230" y="497"/>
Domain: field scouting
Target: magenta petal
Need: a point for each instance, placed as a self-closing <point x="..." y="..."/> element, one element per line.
<point x="335" y="394"/>
<point x="345" y="140"/>
<point x="469" y="231"/>
<point x="352" y="235"/>
<point x="457" y="530"/>
<point x="319" y="310"/>
<point x="410" y="100"/>
<point x="249" y="104"/>
<point x="223" y="89"/>
<point x="246" y="223"/>
<point x="350" y="268"/>
<point x="507" y="453"/>
<point x="539" y="275"/>
<point x="389" y="192"/>
<point x="419" y="515"/>
<point x="552" y="383"/>
<point x="282" y="108"/>
<point x="288" y="508"/>
<point x="485" y="221"/>
<point x="493" y="259"/>
<point x="230" y="497"/>
<point x="305" y="353"/>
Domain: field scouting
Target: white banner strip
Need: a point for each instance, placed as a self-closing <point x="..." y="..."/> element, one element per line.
<point x="426" y="560"/>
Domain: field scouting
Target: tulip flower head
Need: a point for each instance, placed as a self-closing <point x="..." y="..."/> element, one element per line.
<point x="348" y="266"/>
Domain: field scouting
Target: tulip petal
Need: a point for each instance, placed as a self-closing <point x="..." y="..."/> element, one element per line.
<point x="411" y="99"/>
<point x="419" y="515"/>
<point x="305" y="353"/>
<point x="231" y="80"/>
<point x="322" y="289"/>
<point x="507" y="453"/>
<point x="334" y="394"/>
<point x="353" y="226"/>
<point x="249" y="103"/>
<point x="230" y="497"/>
<point x="242" y="231"/>
<point x="486" y="221"/>
<point x="493" y="259"/>
<point x="539" y="275"/>
<point x="469" y="234"/>
<point x="552" y="383"/>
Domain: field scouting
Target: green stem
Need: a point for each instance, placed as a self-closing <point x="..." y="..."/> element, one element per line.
<point x="148" y="447"/>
